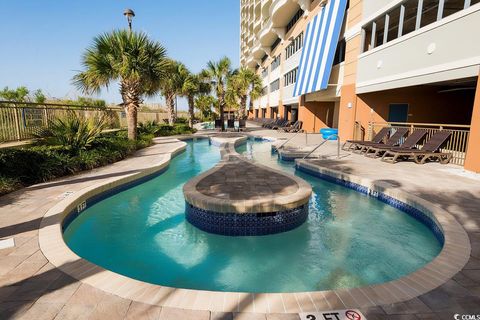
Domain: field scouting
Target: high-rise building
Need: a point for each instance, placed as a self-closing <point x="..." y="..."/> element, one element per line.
<point x="358" y="65"/>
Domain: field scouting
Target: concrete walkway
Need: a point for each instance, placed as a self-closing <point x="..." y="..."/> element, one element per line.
<point x="31" y="288"/>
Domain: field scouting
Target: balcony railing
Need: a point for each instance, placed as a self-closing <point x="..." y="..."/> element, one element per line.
<point x="456" y="145"/>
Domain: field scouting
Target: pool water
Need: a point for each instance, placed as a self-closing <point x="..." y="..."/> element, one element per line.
<point x="349" y="240"/>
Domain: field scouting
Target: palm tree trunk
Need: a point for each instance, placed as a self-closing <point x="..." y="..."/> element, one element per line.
<point x="170" y="100"/>
<point x="243" y="107"/>
<point x="132" y="117"/>
<point x="191" y="108"/>
<point x="221" y="106"/>
<point x="130" y="91"/>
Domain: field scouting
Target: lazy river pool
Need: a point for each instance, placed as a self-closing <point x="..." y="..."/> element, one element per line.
<point x="349" y="239"/>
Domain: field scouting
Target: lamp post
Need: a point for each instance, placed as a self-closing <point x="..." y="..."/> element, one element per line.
<point x="129" y="14"/>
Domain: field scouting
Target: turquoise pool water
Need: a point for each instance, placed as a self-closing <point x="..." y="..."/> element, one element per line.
<point x="349" y="240"/>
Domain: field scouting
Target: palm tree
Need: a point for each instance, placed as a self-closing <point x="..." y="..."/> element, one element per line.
<point x="217" y="73"/>
<point x="193" y="87"/>
<point x="172" y="85"/>
<point x="131" y="58"/>
<point x="245" y="83"/>
<point x="204" y="104"/>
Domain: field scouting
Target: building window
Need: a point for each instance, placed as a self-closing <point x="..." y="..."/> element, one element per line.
<point x="275" y="63"/>
<point x="294" y="19"/>
<point x="379" y="26"/>
<point x="275" y="85"/>
<point x="410" y="9"/>
<point x="294" y="46"/>
<point x="367" y="37"/>
<point x="265" y="73"/>
<point x="340" y="53"/>
<point x="265" y="91"/>
<point x="408" y="16"/>
<point x="290" y="77"/>
<point x="429" y="12"/>
<point x="452" y="6"/>
<point x="275" y="44"/>
<point x="264" y="58"/>
<point x="393" y="19"/>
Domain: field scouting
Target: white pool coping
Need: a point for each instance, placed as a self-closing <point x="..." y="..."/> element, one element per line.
<point x="453" y="256"/>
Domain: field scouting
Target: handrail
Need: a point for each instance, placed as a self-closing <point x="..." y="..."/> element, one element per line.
<point x="420" y="124"/>
<point x="296" y="134"/>
<point x="322" y="143"/>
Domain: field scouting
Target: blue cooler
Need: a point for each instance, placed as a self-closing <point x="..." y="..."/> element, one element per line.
<point x="329" y="133"/>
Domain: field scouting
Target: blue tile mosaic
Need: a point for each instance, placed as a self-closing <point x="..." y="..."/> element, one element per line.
<point x="286" y="157"/>
<point x="249" y="224"/>
<point x="421" y="216"/>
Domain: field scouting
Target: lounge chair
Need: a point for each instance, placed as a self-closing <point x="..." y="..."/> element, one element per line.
<point x="391" y="142"/>
<point x="297" y="128"/>
<point x="430" y="150"/>
<point x="288" y="126"/>
<point x="282" y="124"/>
<point x="268" y="122"/>
<point x="417" y="137"/>
<point x="382" y="134"/>
<point x="293" y="128"/>
<point x="273" y="123"/>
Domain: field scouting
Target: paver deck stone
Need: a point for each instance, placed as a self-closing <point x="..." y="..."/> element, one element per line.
<point x="66" y="298"/>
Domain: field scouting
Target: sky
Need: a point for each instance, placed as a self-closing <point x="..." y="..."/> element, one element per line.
<point x="42" y="41"/>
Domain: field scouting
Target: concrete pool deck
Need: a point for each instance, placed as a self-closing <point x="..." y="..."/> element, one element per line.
<point x="32" y="287"/>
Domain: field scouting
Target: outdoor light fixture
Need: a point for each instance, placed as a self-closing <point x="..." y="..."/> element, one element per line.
<point x="129" y="14"/>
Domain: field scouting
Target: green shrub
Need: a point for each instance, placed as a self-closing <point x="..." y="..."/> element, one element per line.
<point x="148" y="127"/>
<point x="181" y="120"/>
<point x="74" y="133"/>
<point x="30" y="165"/>
<point x="8" y="185"/>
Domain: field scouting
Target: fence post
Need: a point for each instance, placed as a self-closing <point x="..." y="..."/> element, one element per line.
<point x="45" y="116"/>
<point x="17" y="122"/>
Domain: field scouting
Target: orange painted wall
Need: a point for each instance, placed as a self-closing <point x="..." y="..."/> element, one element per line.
<point x="281" y="111"/>
<point x="274" y="113"/>
<point x="314" y="115"/>
<point x="472" y="161"/>
<point x="346" y="116"/>
<point x="426" y="105"/>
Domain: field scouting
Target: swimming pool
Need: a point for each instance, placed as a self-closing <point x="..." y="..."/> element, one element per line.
<point x="349" y="239"/>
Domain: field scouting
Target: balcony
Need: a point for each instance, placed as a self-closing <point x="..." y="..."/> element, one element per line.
<point x="440" y="51"/>
<point x="267" y="36"/>
<point x="273" y="99"/>
<point x="251" y="62"/>
<point x="257" y="51"/>
<point x="266" y="8"/>
<point x="282" y="11"/>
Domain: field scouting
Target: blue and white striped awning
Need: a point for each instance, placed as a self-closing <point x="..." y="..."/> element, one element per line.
<point x="319" y="48"/>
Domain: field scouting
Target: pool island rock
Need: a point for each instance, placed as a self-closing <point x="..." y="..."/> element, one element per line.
<point x="242" y="198"/>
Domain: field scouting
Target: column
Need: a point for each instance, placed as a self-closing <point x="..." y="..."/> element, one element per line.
<point x="472" y="161"/>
